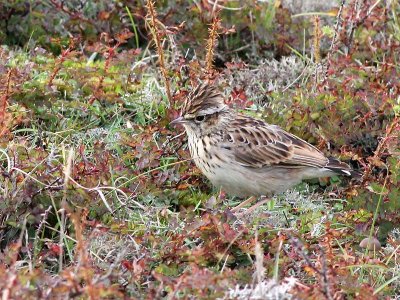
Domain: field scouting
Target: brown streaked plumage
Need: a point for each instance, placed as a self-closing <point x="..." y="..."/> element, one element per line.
<point x="246" y="156"/>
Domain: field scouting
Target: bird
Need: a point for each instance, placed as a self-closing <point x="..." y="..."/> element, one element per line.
<point x="245" y="156"/>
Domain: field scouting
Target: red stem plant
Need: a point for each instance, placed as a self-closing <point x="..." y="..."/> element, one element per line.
<point x="64" y="55"/>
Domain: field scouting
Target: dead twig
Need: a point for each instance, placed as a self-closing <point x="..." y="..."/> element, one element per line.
<point x="155" y="31"/>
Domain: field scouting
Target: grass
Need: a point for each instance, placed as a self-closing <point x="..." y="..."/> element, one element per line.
<point x="84" y="165"/>
<point x="99" y="197"/>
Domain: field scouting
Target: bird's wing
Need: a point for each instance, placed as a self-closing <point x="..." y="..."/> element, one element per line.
<point x="257" y="144"/>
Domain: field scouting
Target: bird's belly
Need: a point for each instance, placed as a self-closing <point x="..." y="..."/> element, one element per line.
<point x="239" y="182"/>
<point x="221" y="169"/>
<point x="244" y="182"/>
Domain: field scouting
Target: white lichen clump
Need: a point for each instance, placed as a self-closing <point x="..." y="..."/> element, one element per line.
<point x="265" y="290"/>
<point x="268" y="76"/>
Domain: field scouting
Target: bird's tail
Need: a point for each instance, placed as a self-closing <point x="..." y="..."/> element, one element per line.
<point x="342" y="168"/>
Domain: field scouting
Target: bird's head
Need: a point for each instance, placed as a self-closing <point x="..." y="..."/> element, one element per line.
<point x="204" y="110"/>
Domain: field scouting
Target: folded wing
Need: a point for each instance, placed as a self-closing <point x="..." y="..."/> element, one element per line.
<point x="258" y="144"/>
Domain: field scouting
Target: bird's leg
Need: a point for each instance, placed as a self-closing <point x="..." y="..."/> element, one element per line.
<point x="252" y="208"/>
<point x="244" y="203"/>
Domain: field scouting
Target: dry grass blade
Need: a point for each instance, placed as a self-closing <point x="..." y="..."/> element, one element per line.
<point x="259" y="262"/>
<point x="156" y="34"/>
<point x="100" y="197"/>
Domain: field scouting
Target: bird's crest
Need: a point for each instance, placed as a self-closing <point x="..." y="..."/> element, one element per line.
<point x="204" y="99"/>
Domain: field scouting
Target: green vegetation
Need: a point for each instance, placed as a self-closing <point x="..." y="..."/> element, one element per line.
<point x="99" y="198"/>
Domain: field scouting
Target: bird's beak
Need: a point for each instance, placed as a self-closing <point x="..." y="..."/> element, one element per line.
<point x="179" y="120"/>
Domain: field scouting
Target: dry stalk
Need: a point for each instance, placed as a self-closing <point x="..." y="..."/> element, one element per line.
<point x="211" y="44"/>
<point x="355" y="13"/>
<point x="81" y="245"/>
<point x="155" y="31"/>
<point x="317" y="40"/>
<point x="317" y="47"/>
<point x="4" y="98"/>
<point x="67" y="172"/>
<point x="259" y="262"/>
<point x="336" y="30"/>
<point x="3" y="104"/>
<point x="332" y="48"/>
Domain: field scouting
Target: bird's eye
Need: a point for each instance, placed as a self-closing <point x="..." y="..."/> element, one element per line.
<point x="199" y="118"/>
